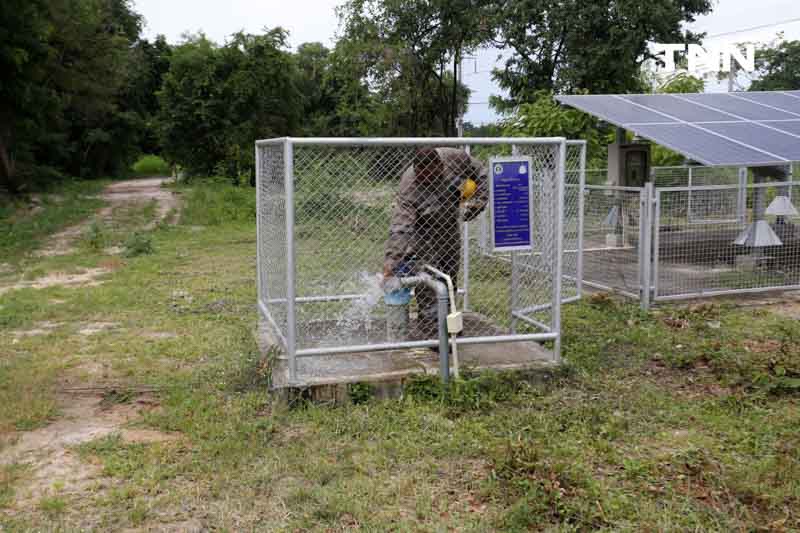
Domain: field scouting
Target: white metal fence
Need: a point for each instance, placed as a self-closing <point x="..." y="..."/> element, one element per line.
<point x="725" y="239"/>
<point x="325" y="209"/>
<point x="693" y="232"/>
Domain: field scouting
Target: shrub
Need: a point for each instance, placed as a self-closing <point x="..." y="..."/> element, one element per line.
<point x="138" y="244"/>
<point x="151" y="165"/>
<point x="217" y="202"/>
<point x="95" y="238"/>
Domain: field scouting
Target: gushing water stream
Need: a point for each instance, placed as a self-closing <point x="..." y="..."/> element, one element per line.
<point x="356" y="318"/>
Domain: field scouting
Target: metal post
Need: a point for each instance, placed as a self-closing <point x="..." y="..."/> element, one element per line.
<point x="444" y="345"/>
<point x="689" y="200"/>
<point x="741" y="201"/>
<point x="259" y="233"/>
<point x="656" y="212"/>
<point x="559" y="247"/>
<point x="291" y="316"/>
<point x="514" y="290"/>
<point x="514" y="272"/>
<point x="465" y="252"/>
<point x="581" y="192"/>
<point x="645" y="245"/>
<point x="484" y="244"/>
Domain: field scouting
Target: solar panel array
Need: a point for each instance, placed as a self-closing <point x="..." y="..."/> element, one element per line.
<point x="742" y="128"/>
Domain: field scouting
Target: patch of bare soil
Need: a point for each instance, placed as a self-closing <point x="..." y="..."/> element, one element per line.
<point x="87" y="278"/>
<point x="120" y="193"/>
<point x="159" y="335"/>
<point x="788" y="309"/>
<point x="41" y="328"/>
<point x="97" y="327"/>
<point x="49" y="452"/>
<point x="698" y="382"/>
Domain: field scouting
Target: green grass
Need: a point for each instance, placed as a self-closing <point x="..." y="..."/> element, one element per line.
<point x="681" y="419"/>
<point x="25" y="223"/>
<point x="151" y="165"/>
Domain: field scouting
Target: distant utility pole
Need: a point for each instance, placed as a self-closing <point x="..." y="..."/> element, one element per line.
<point x="460" y="117"/>
<point x="731" y="76"/>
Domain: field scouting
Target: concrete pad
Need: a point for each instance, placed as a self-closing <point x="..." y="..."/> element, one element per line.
<point x="392" y="368"/>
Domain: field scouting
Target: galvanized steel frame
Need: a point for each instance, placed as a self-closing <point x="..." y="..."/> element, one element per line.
<point x="288" y="341"/>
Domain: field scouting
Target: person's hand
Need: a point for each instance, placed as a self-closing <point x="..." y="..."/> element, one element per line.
<point x="390" y="282"/>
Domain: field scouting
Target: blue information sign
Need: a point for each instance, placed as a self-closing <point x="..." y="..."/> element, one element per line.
<point x="511" y="187"/>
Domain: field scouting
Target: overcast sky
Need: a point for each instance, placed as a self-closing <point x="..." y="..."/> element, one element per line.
<point x="315" y="20"/>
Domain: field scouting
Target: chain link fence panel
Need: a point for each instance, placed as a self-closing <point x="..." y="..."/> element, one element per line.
<point x="272" y="236"/>
<point x="757" y="250"/>
<point x="361" y="209"/>
<point x="612" y="230"/>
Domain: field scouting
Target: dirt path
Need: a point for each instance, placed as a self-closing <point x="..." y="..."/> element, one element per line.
<point x="118" y="194"/>
<point x="48" y="455"/>
<point x="140" y="191"/>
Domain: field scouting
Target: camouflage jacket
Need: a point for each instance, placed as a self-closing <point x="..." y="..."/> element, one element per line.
<point x="426" y="216"/>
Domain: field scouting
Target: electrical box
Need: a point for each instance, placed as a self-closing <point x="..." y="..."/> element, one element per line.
<point x="628" y="164"/>
<point x="455" y="322"/>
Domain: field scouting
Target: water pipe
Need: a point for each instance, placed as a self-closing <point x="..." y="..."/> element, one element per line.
<point x="453" y="312"/>
<point x="441" y="300"/>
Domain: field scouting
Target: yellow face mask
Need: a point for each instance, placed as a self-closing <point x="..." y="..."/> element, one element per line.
<point x="468" y="190"/>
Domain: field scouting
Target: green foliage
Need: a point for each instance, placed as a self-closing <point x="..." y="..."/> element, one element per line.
<point x="778" y="68"/>
<point x="216" y="100"/>
<point x="360" y="392"/>
<point x="408" y="55"/>
<point x="71" y="92"/>
<point x="95" y="237"/>
<point x="544" y="117"/>
<point x="583" y="46"/>
<point x="682" y="83"/>
<point x="137" y="244"/>
<point x="481" y="392"/>
<point x="216" y="202"/>
<point x="53" y="506"/>
<point x="151" y="165"/>
<point x="10" y="473"/>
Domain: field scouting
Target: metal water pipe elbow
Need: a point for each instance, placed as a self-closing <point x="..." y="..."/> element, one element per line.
<point x="442" y="303"/>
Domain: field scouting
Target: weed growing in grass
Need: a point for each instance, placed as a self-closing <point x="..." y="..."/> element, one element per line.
<point x="96" y="237"/>
<point x="9" y="475"/>
<point x="53" y="506"/>
<point x="360" y="392"/>
<point x="138" y="244"/>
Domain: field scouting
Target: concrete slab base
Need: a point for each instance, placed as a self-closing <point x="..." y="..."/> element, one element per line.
<point x="328" y="377"/>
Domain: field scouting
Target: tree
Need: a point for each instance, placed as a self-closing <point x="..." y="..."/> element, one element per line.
<point x="65" y="64"/>
<point x="93" y="40"/>
<point x="24" y="101"/>
<point x="545" y="117"/>
<point x="570" y="45"/>
<point x="216" y="100"/>
<point x="149" y="64"/>
<point x="408" y="54"/>
<point x="315" y="85"/>
<point x="778" y="68"/>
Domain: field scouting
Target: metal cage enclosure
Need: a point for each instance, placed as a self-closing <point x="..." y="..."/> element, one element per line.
<point x="325" y="206"/>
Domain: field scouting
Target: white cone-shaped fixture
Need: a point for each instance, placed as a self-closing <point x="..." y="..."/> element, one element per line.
<point x="612" y="218"/>
<point x="757" y="235"/>
<point x="781" y="206"/>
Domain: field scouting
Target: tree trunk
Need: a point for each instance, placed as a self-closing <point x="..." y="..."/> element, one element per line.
<point x="454" y="104"/>
<point x="8" y="170"/>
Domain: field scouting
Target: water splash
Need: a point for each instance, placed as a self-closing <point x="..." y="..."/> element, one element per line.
<point x="357" y="317"/>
